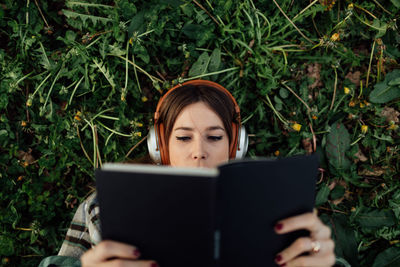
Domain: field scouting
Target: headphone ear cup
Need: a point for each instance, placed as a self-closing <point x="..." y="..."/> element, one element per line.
<point x="153" y="145"/>
<point x="162" y="145"/>
<point x="243" y="143"/>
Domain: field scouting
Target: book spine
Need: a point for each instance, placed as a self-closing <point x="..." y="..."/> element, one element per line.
<point x="217" y="225"/>
<point x="217" y="240"/>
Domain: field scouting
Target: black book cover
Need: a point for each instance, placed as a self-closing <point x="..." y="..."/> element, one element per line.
<point x="206" y="217"/>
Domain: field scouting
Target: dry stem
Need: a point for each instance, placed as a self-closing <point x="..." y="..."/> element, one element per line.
<point x="205" y="10"/>
<point x="135" y="146"/>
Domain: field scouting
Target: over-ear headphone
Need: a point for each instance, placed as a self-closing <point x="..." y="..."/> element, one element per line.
<point x="157" y="145"/>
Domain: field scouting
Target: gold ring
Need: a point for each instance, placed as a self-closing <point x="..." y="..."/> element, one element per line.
<point x="315" y="246"/>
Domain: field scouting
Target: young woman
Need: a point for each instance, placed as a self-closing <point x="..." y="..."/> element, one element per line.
<point x="197" y="124"/>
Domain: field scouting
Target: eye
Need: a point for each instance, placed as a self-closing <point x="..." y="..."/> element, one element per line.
<point x="183" y="138"/>
<point x="215" y="138"/>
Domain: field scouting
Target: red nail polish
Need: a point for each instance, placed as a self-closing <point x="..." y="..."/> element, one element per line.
<point x="278" y="258"/>
<point x="279" y="226"/>
<point x="283" y="265"/>
<point x="136" y="253"/>
<point x="154" y="265"/>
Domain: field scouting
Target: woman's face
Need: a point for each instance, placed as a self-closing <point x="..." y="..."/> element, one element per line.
<point x="198" y="138"/>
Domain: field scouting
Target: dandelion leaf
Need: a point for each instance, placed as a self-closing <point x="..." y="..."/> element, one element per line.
<point x="105" y="71"/>
<point x="193" y="31"/>
<point x="388" y="258"/>
<point x="380" y="26"/>
<point x="322" y="195"/>
<point x="83" y="17"/>
<point x="72" y="4"/>
<point x="200" y="66"/>
<point x="396" y="3"/>
<point x="375" y="218"/>
<point x="387" y="90"/>
<point x="337" y="143"/>
<point x="215" y="60"/>
<point x="344" y="237"/>
<point x="137" y="24"/>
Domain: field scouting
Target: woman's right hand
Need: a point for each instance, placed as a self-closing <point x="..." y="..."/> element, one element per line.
<point x="111" y="253"/>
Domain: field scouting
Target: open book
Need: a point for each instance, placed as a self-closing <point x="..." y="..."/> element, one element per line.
<point x="206" y="217"/>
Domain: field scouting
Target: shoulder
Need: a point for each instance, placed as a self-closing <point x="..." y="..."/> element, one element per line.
<point x="86" y="213"/>
<point x="84" y="230"/>
<point x="92" y="217"/>
<point x="90" y="205"/>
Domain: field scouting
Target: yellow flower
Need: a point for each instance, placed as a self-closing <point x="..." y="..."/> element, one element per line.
<point x="352" y="104"/>
<point x="139" y="124"/>
<point x="350" y="6"/>
<point x="20" y="178"/>
<point x="276" y="153"/>
<point x="347" y="90"/>
<point x="335" y="37"/>
<point x="328" y="4"/>
<point x="144" y="99"/>
<point x="364" y="129"/>
<point x="314" y="117"/>
<point x="78" y="116"/>
<point x="131" y="41"/>
<point x="393" y="127"/>
<point x="362" y="105"/>
<point x="296" y="127"/>
<point x="23" y="123"/>
<point x="138" y="134"/>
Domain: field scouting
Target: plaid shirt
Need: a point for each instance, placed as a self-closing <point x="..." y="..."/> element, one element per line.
<point x="84" y="231"/>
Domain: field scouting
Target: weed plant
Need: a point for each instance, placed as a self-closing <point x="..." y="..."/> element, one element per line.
<point x="79" y="81"/>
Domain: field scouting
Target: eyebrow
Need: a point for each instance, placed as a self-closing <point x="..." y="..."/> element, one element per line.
<point x="211" y="128"/>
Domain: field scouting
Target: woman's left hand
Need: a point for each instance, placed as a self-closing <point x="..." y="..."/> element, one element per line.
<point x="319" y="244"/>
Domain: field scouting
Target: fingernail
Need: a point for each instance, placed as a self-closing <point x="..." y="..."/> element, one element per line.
<point x="136" y="253"/>
<point x="154" y="265"/>
<point x="283" y="264"/>
<point x="278" y="226"/>
<point x="278" y="258"/>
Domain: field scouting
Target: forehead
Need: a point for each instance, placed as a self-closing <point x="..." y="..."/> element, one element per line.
<point x="198" y="115"/>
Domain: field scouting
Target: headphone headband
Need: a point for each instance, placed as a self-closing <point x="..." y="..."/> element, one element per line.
<point x="158" y="151"/>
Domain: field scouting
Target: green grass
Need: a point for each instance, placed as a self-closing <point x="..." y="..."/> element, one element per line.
<point x="79" y="81"/>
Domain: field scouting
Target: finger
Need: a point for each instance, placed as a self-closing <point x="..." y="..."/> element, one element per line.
<point x="127" y="263"/>
<point x="301" y="245"/>
<point x="110" y="249"/>
<point x="308" y="221"/>
<point x="315" y="211"/>
<point x="320" y="260"/>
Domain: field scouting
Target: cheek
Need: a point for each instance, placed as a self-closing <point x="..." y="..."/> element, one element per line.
<point x="222" y="150"/>
<point x="175" y="152"/>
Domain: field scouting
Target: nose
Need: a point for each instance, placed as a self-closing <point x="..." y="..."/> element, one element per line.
<point x="198" y="150"/>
